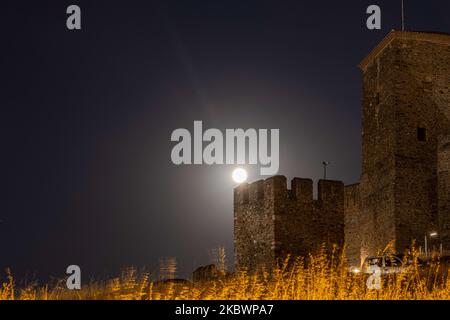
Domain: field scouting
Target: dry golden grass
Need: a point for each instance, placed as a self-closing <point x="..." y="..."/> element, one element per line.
<point x="323" y="277"/>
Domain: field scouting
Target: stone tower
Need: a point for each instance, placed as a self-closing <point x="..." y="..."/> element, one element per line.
<point x="444" y="189"/>
<point x="406" y="111"/>
<point x="404" y="192"/>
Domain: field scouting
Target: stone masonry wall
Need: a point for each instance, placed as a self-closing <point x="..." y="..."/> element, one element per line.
<point x="423" y="100"/>
<point x="444" y="190"/>
<point x="277" y="222"/>
<point x="377" y="227"/>
<point x="404" y="191"/>
<point x="406" y="89"/>
<point x="352" y="210"/>
<point x="254" y="236"/>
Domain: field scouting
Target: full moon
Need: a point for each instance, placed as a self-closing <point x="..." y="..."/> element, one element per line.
<point x="239" y="175"/>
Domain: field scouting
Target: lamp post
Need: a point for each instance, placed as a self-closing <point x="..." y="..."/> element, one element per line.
<point x="431" y="235"/>
<point x="325" y="164"/>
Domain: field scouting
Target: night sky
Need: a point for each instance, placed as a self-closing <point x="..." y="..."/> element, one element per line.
<point x="86" y="118"/>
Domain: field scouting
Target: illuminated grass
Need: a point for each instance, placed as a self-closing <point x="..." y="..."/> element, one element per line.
<point x="324" y="277"/>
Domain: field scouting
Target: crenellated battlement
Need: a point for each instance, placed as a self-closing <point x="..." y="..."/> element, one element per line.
<point x="272" y="221"/>
<point x="302" y="189"/>
<point x="275" y="188"/>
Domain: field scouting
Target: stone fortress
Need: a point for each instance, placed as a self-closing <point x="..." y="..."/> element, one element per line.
<point x="404" y="190"/>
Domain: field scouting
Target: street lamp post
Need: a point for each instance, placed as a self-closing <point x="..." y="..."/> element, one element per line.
<point x="325" y="164"/>
<point x="432" y="235"/>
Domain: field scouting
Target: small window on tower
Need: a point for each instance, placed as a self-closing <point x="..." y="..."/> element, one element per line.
<point x="421" y="134"/>
<point x="377" y="98"/>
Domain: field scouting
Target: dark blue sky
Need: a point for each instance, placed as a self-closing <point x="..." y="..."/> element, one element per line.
<point x="86" y="118"/>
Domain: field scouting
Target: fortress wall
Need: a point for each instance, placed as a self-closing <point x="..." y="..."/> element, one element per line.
<point x="406" y="87"/>
<point x="302" y="189"/>
<point x="352" y="214"/>
<point x="404" y="189"/>
<point x="285" y="222"/>
<point x="253" y="225"/>
<point x="444" y="190"/>
<point x="330" y="205"/>
<point x="422" y="97"/>
<point x="378" y="153"/>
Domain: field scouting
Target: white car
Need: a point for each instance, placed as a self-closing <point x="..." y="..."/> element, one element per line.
<point x="386" y="264"/>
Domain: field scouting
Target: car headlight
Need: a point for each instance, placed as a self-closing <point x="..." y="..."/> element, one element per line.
<point x="356" y="270"/>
